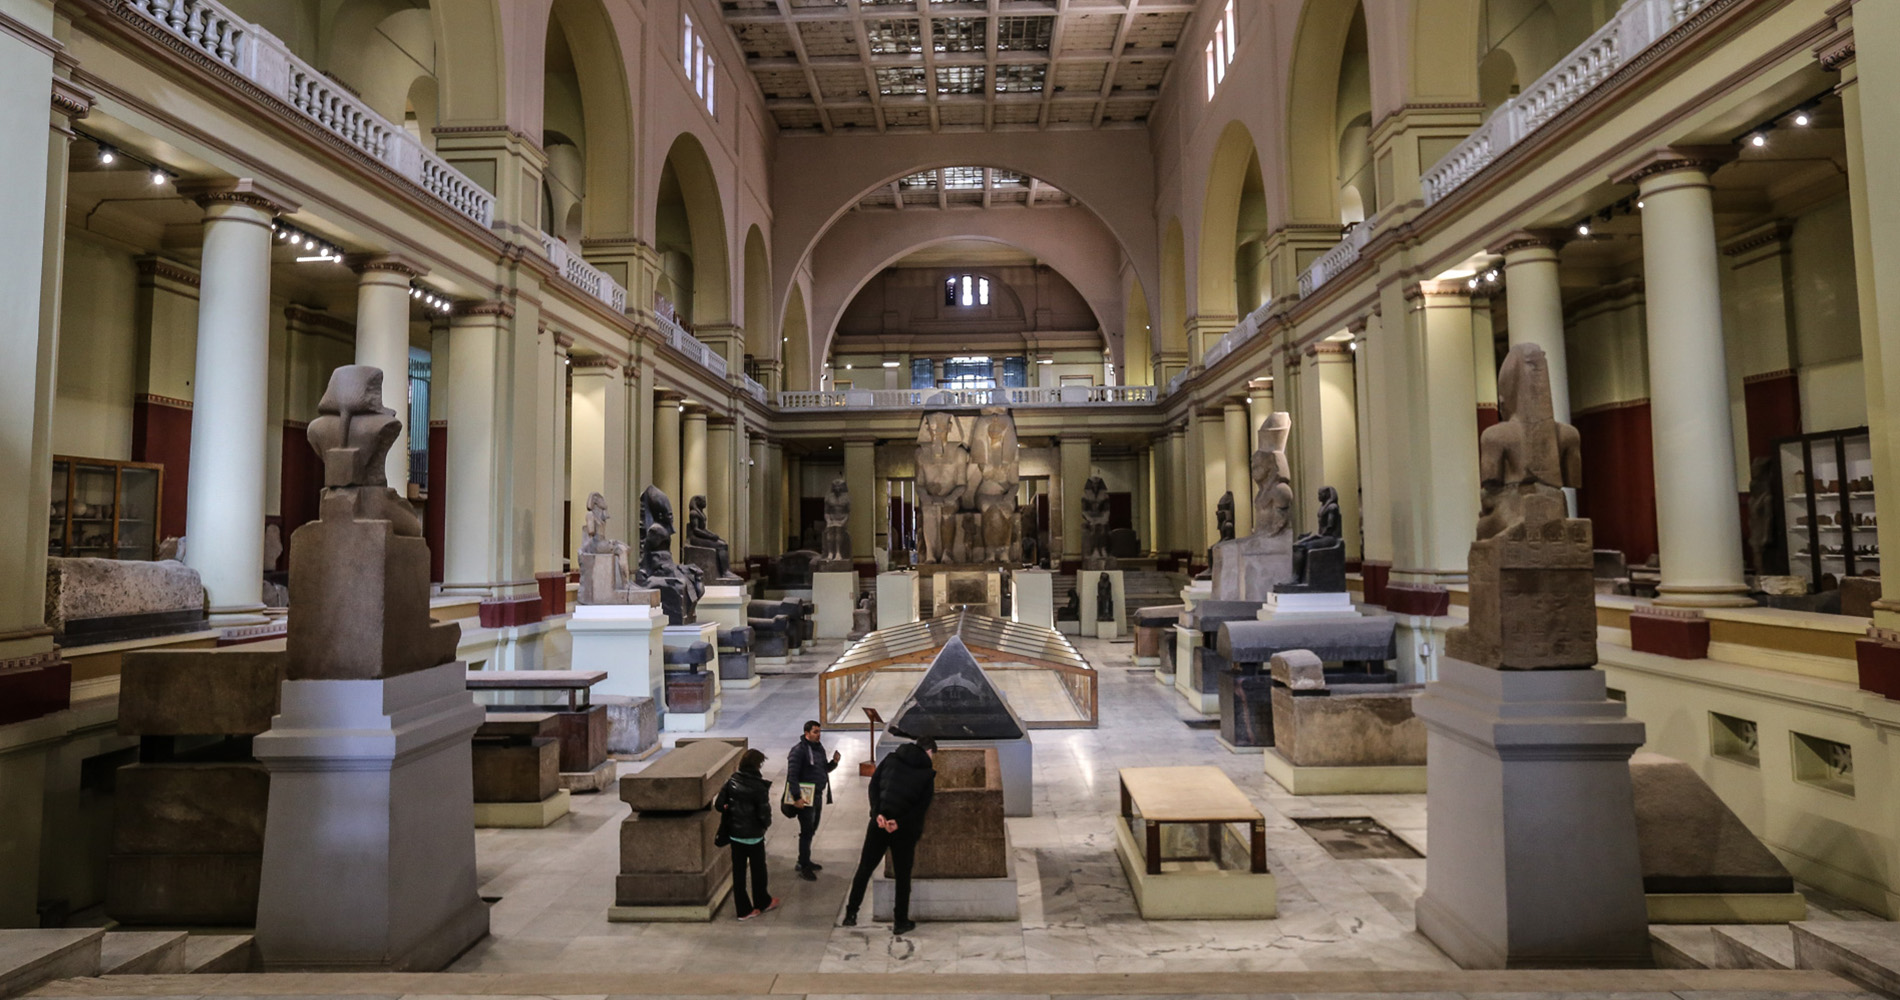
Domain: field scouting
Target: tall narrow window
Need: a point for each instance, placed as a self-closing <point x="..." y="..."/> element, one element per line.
<point x="968" y="298"/>
<point x="1211" y="82"/>
<point x="697" y="63"/>
<point x="966" y="290"/>
<point x="1220" y="50"/>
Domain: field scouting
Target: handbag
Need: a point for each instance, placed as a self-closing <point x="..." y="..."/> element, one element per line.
<point x="722" y="837"/>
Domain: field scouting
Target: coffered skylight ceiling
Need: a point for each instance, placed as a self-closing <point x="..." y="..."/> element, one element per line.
<point x="958" y="65"/>
<point x="963" y="187"/>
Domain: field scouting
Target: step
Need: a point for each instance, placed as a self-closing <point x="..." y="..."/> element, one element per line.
<point x="1684" y="946"/>
<point x="147" y="953"/>
<point x="1864" y="951"/>
<point x="219" y="953"/>
<point x="29" y="958"/>
<point x="1755" y="946"/>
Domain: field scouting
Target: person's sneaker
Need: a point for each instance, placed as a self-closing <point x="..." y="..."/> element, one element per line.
<point x="903" y="927"/>
<point x="814" y="866"/>
<point x="773" y="905"/>
<point x="808" y="874"/>
<point x="850" y="919"/>
<point x="749" y="916"/>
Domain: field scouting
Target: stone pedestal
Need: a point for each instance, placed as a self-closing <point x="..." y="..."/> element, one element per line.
<point x="1246" y="569"/>
<point x="669" y="867"/>
<point x="703" y="711"/>
<point x="938" y="900"/>
<point x="1336" y="603"/>
<point x="834" y="595"/>
<point x="625" y="640"/>
<point x="723" y="604"/>
<point x="1530" y="801"/>
<point x="896" y="598"/>
<point x="1087" y="583"/>
<point x="980" y="590"/>
<point x="1032" y="597"/>
<point x="1151" y="627"/>
<point x="369" y="848"/>
<point x="1195" y="592"/>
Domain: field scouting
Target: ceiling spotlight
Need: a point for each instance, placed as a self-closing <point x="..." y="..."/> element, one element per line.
<point x="1759" y="139"/>
<point x="309" y="244"/>
<point x="1639" y="205"/>
<point x="1491" y="276"/>
<point x="158" y="176"/>
<point x="415" y="293"/>
<point x="1804" y="116"/>
<point x="1352" y="345"/>
<point x="1583" y="229"/>
<point x="1472" y="284"/>
<point x="106" y="154"/>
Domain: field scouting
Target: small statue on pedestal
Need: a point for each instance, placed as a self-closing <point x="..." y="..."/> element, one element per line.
<point x="1104" y="598"/>
<point x="1250" y="568"/>
<point x="1095" y="525"/>
<point x="606" y="576"/>
<point x="680" y="587"/>
<point x="836" y="556"/>
<point x="1319" y="558"/>
<point x="1224" y="516"/>
<point x="703" y="548"/>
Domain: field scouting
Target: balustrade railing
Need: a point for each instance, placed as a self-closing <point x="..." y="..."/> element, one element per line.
<point x="1635" y="27"/>
<point x="918" y="399"/>
<point x="261" y="57"/>
<point x="583" y="275"/>
<point x="1334" y="262"/>
<point x="752" y="387"/>
<point x="692" y="347"/>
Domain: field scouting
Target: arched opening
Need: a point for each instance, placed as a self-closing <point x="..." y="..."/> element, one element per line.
<point x="1137" y="337"/>
<point x="586" y="125"/>
<point x="762" y="344"/>
<point x="1233" y="215"/>
<point x="1352" y="117"/>
<point x="1519" y="40"/>
<point x="796" y="337"/>
<point x="421" y="112"/>
<point x="1497" y="79"/>
<point x="691" y="237"/>
<point x="1170" y="350"/>
<point x="1331" y="89"/>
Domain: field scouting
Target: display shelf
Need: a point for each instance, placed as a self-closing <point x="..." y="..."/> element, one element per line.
<point x="104" y="507"/>
<point x="1826" y="485"/>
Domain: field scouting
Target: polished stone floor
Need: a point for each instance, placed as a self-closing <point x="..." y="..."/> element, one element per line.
<point x="554" y="885"/>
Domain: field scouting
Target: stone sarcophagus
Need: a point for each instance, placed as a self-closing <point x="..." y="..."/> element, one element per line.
<point x="1321" y="724"/>
<point x="669" y="868"/>
<point x="965" y="835"/>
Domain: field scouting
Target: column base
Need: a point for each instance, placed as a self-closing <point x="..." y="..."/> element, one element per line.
<point x="236" y="615"/>
<point x="1703" y="596"/>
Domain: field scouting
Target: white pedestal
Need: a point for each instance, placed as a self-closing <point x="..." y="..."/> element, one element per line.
<point x="1529" y="801"/>
<point x="896" y="598"/>
<point x="1032" y="597"/>
<point x="1185" y="642"/>
<point x="1087" y="582"/>
<point x="625" y="640"/>
<point x="369" y="842"/>
<point x="679" y="637"/>
<point x="1195" y="592"/>
<point x="1285" y="605"/>
<point x="834" y="597"/>
<point x="723" y="605"/>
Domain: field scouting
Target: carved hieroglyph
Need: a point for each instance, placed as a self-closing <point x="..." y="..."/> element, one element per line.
<point x="1533" y="601"/>
<point x="362" y="570"/>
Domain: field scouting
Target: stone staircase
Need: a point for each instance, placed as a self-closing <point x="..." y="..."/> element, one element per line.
<point x="1866" y="952"/>
<point x="31" y="958"/>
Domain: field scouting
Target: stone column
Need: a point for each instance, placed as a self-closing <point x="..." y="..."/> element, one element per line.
<point x="1180" y="491"/>
<point x="1078" y="455"/>
<point x="1211" y="432"/>
<point x="760" y="502"/>
<point x="494" y="435"/>
<point x="867" y="504"/>
<point x="1336" y="386"/>
<point x="1484" y="360"/>
<point x="382" y="341"/>
<point x="693" y="460"/>
<point x="789" y="526"/>
<point x="1699" y="531"/>
<point x="597" y="449"/>
<point x="666" y="444"/>
<point x="722" y="451"/>
<point x="1537" y="308"/>
<point x="1435" y="502"/>
<point x="1309" y="458"/>
<point x="1238" y="452"/>
<point x="936" y="372"/>
<point x="1259" y="408"/>
<point x="1375" y="492"/>
<point x="1162" y="493"/>
<point x="224" y="512"/>
<point x="1144" y="502"/>
<point x="1870" y="189"/>
<point x="550" y="470"/>
<point x="996" y="372"/>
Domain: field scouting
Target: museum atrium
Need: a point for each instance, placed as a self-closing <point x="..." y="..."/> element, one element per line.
<point x="1367" y="496"/>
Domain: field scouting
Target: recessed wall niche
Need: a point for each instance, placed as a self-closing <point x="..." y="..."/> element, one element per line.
<point x="1823" y="763"/>
<point x="1735" y="739"/>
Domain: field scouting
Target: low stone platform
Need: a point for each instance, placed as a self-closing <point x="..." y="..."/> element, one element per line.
<point x="950" y="899"/>
<point x="1343" y="779"/>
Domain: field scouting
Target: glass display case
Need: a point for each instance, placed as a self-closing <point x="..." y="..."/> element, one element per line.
<point x="104" y="509"/>
<point x="1827" y="496"/>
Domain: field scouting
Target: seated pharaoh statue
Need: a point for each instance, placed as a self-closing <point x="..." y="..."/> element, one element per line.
<point x="1531" y="564"/>
<point x="680" y="587"/>
<point x="704" y="549"/>
<point x="362" y="570"/>
<point x="606" y="573"/>
<point x="1319" y="558"/>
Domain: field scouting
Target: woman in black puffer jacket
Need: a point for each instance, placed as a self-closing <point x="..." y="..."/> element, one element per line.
<point x="745" y="807"/>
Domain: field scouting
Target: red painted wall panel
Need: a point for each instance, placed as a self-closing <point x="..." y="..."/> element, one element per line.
<point x="1619" y="478"/>
<point x="161" y="433"/>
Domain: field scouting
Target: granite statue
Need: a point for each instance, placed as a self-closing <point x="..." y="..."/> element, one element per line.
<point x="1104" y="598"/>
<point x="968" y="474"/>
<point x="995" y="458"/>
<point x="606" y="573"/>
<point x="362" y="569"/>
<point x="836" y="557"/>
<point x="1071" y="609"/>
<point x="1095" y="525"/>
<point x="943" y="475"/>
<point x="1319" y="557"/>
<point x="680" y="586"/>
<point x="1532" y="595"/>
<point x="1248" y="569"/>
<point x="1224" y="516"/>
<point x="704" y="549"/>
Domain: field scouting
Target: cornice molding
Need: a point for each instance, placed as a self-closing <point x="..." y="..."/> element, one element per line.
<point x="16" y="28"/>
<point x="397" y="263"/>
<point x="158" y="267"/>
<point x="261" y="195"/>
<point x="72" y="100"/>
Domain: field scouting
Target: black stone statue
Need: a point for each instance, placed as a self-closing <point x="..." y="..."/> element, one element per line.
<point x="680" y="586"/>
<point x="1071" y="610"/>
<point x="1224" y="516"/>
<point x="1104" y="599"/>
<point x="1319" y="558"/>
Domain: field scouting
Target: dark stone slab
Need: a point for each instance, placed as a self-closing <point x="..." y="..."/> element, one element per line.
<point x="683" y="779"/>
<point x="689" y="691"/>
<point x="966" y="836"/>
<point x="516" y="772"/>
<point x="184" y="808"/>
<point x="696" y="654"/>
<point x="1209" y="616"/>
<point x="735" y="666"/>
<point x="200" y="692"/>
<point x="184" y="889"/>
<point x="1368" y="637"/>
<point x="736" y="638"/>
<point x="1690" y="841"/>
<point x="667" y="889"/>
<point x="518" y="728"/>
<point x="956" y="701"/>
<point x="1246" y="706"/>
<point x="669" y="843"/>
<point x="1161" y="616"/>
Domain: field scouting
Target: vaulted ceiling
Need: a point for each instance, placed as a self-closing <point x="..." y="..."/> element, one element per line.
<point x="958" y="65"/>
<point x="964" y="187"/>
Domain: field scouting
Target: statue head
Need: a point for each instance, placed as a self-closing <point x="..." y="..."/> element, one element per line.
<point x="697" y="505"/>
<point x="840" y="489"/>
<point x="1524" y="384"/>
<point x="1274" y="431"/>
<point x="939" y="429"/>
<point x="1095" y="486"/>
<point x="597" y="504"/>
<point x="1226" y="503"/>
<point x="354" y="430"/>
<point x="656" y="509"/>
<point x="1328" y="496"/>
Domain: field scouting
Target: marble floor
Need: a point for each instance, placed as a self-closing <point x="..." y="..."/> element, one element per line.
<point x="552" y="887"/>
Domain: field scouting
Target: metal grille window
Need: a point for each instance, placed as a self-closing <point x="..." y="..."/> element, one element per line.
<point x="1024" y="34"/>
<point x="963" y="178"/>
<point x="922" y="375"/>
<point x="969" y="373"/>
<point x="1020" y="79"/>
<point x="1015" y="373"/>
<point x="959" y="79"/>
<point x="958" y="34"/>
<point x="922" y="179"/>
<point x="893" y="80"/>
<point x="1008" y="178"/>
<point x="894" y="37"/>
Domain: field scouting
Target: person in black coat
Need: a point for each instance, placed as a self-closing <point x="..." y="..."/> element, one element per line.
<point x="901" y="790"/>
<point x="808" y="765"/>
<point x="745" y="808"/>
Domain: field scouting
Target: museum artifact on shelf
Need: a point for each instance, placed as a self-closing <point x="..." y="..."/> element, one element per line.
<point x="1522" y="738"/>
<point x="373" y="732"/>
<point x="105" y="509"/>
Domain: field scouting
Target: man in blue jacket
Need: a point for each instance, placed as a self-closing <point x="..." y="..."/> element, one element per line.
<point x="808" y="765"/>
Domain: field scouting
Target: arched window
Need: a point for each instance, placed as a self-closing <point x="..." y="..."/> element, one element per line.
<point x="966" y="290"/>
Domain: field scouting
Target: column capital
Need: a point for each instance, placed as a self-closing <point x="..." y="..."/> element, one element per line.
<point x="1434" y="289"/>
<point x="1529" y="244"/>
<point x="1358" y="326"/>
<point x="484" y="308"/>
<point x="1329" y="351"/>
<point x="250" y="191"/>
<point x="393" y="263"/>
<point x="666" y="396"/>
<point x="1672" y="159"/>
<point x="695" y="410"/>
<point x="71" y="100"/>
<point x="1234" y="403"/>
<point x="594" y="363"/>
<point x="563" y="341"/>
